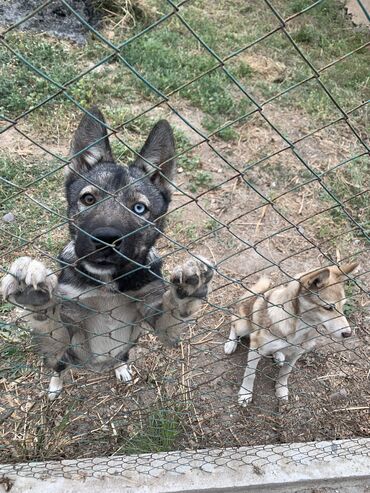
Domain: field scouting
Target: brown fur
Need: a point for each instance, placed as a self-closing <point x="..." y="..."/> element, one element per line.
<point x="289" y="320"/>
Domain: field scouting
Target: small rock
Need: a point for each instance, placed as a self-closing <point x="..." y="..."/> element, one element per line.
<point x="340" y="394"/>
<point x="180" y="170"/>
<point x="9" y="217"/>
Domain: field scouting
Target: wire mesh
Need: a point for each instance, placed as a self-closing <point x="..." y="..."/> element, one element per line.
<point x="272" y="180"/>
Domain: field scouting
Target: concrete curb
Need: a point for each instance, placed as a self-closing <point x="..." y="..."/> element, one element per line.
<point x="277" y="468"/>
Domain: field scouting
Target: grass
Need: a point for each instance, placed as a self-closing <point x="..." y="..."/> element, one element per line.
<point x="348" y="186"/>
<point x="169" y="57"/>
<point x="158" y="434"/>
<point x="202" y="179"/>
<point x="38" y="211"/>
<point x="13" y="358"/>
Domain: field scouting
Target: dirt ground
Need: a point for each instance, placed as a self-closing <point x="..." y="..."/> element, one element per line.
<point x="196" y="385"/>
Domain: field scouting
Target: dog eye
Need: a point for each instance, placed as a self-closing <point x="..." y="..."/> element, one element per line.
<point x="87" y="199"/>
<point x="330" y="308"/>
<point x="139" y="208"/>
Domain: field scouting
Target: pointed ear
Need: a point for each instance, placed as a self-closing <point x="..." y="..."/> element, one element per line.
<point x="315" y="280"/>
<point x="345" y="269"/>
<point x="159" y="151"/>
<point x="90" y="131"/>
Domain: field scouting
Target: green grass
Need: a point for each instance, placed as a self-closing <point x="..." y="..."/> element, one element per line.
<point x="324" y="34"/>
<point x="35" y="211"/>
<point x="202" y="179"/>
<point x="347" y="185"/>
<point x="13" y="358"/>
<point x="159" y="433"/>
<point x="169" y="56"/>
<point x="13" y="355"/>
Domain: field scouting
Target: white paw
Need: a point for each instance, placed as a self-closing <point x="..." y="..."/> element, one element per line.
<point x="123" y="373"/>
<point x="282" y="393"/>
<point x="55" y="387"/>
<point x="245" y="399"/>
<point x="29" y="282"/>
<point x="230" y="346"/>
<point x="279" y="358"/>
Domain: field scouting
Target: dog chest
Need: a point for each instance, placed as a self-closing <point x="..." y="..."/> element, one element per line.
<point x="111" y="326"/>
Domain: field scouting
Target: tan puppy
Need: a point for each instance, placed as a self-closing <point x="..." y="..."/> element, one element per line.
<point x="289" y="320"/>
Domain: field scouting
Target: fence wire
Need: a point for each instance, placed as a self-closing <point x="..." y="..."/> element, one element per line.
<point x="264" y="190"/>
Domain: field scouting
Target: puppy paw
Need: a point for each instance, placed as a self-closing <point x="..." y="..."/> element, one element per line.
<point x="279" y="358"/>
<point x="123" y="373"/>
<point x="55" y="387"/>
<point x="282" y="393"/>
<point x="28" y="283"/>
<point x="230" y="346"/>
<point x="244" y="399"/>
<point x="192" y="278"/>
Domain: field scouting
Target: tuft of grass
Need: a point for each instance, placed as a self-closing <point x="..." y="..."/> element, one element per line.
<point x="159" y="433"/>
<point x="202" y="179"/>
<point x="13" y="358"/>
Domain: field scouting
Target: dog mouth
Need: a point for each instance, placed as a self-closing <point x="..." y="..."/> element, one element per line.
<point x="102" y="262"/>
<point x="96" y="267"/>
<point x="99" y="264"/>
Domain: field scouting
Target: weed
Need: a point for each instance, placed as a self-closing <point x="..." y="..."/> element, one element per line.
<point x="13" y="359"/>
<point x="159" y="434"/>
<point x="212" y="124"/>
<point x="212" y="225"/>
<point x="189" y="163"/>
<point x="202" y="179"/>
<point x="351" y="306"/>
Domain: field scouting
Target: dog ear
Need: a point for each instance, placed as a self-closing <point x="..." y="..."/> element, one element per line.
<point x="315" y="280"/>
<point x="343" y="270"/>
<point x="159" y="151"/>
<point x="90" y="132"/>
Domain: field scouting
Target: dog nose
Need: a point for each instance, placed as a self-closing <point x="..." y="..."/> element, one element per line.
<point x="106" y="235"/>
<point x="346" y="334"/>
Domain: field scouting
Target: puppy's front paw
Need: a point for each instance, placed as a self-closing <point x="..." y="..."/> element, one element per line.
<point x="29" y="283"/>
<point x="244" y="399"/>
<point x="230" y="346"/>
<point x="123" y="373"/>
<point x="282" y="393"/>
<point x="192" y="278"/>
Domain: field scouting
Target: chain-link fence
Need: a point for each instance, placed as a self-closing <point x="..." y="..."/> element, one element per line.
<point x="267" y="102"/>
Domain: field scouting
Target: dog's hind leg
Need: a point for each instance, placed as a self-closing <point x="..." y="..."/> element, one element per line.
<point x="56" y="381"/>
<point x="239" y="328"/>
<point x="123" y="373"/>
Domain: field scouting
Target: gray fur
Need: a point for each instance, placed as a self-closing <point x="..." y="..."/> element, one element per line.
<point x="110" y="287"/>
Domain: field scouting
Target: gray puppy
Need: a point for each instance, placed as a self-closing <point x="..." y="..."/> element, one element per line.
<point x="110" y="286"/>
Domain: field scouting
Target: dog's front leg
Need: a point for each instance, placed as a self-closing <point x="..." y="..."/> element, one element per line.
<point x="32" y="286"/>
<point x="189" y="286"/>
<point x="245" y="395"/>
<point x="281" y="387"/>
